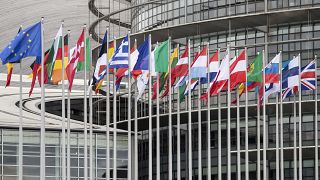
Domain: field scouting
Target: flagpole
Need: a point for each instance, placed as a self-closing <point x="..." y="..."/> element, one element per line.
<point x="258" y="140"/>
<point x="114" y="125"/>
<point x="281" y="124"/>
<point x="157" y="126"/>
<point x="229" y="124"/>
<point x="316" y="120"/>
<point x="108" y="109"/>
<point x="209" y="117"/>
<point x="85" y="114"/>
<point x="238" y="132"/>
<point x="246" y="123"/>
<point x="68" y="126"/>
<point x="199" y="129"/>
<point x="219" y="132"/>
<point x="277" y="127"/>
<point x="20" y="126"/>
<point x="300" y="123"/>
<point x="90" y="115"/>
<point x="129" y="112"/>
<point x="178" y="130"/>
<point x="264" y="116"/>
<point x="63" y="148"/>
<point x="42" y="130"/>
<point x="295" y="136"/>
<point x="135" y="129"/>
<point x="150" y="112"/>
<point x="189" y="118"/>
<point x="170" y="113"/>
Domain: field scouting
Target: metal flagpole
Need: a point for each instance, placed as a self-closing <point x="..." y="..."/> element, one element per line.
<point x="300" y="123"/>
<point x="114" y="124"/>
<point x="43" y="122"/>
<point x="150" y="112"/>
<point x="219" y="132"/>
<point x="85" y="114"/>
<point x="277" y="127"/>
<point x="108" y="109"/>
<point x="281" y="124"/>
<point x="178" y="129"/>
<point x="238" y="133"/>
<point x="189" y="118"/>
<point x="295" y="136"/>
<point x="229" y="123"/>
<point x="208" y="116"/>
<point x="246" y="123"/>
<point x="68" y="125"/>
<point x="170" y="114"/>
<point x="258" y="140"/>
<point x="199" y="130"/>
<point x="264" y="116"/>
<point x="91" y="158"/>
<point x="63" y="120"/>
<point x="20" y="127"/>
<point x="157" y="126"/>
<point x="129" y="113"/>
<point x="316" y="121"/>
<point x="135" y="129"/>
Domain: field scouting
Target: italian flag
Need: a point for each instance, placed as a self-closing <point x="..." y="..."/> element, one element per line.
<point x="77" y="56"/>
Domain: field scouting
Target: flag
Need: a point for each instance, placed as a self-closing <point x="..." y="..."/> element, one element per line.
<point x="55" y="52"/>
<point x="255" y="71"/>
<point x="173" y="62"/>
<point x="198" y="68"/>
<point x="101" y="63"/>
<point x="161" y="56"/>
<point x="25" y="44"/>
<point x="76" y="55"/>
<point x="272" y="76"/>
<point x="121" y="55"/>
<point x="10" y="68"/>
<point x="121" y="72"/>
<point x="182" y="66"/>
<point x="238" y="70"/>
<point x="308" y="80"/>
<point x="36" y="68"/>
<point x="193" y="85"/>
<point x="57" y="69"/>
<point x="142" y="81"/>
<point x="213" y="68"/>
<point x="222" y="78"/>
<point x="143" y="59"/>
<point x="290" y="73"/>
<point x="111" y="49"/>
<point x="83" y="50"/>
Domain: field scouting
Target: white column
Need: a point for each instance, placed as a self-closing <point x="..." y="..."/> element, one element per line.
<point x="265" y="126"/>
<point x="246" y="125"/>
<point x="238" y="134"/>
<point x="277" y="126"/>
<point x="68" y="125"/>
<point x="20" y="127"/>
<point x="91" y="158"/>
<point x="229" y="125"/>
<point x="219" y="134"/>
<point x="281" y="125"/>
<point x="136" y="165"/>
<point x="108" y="110"/>
<point x="85" y="112"/>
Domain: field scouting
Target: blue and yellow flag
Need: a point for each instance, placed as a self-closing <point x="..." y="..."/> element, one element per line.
<point x="26" y="43"/>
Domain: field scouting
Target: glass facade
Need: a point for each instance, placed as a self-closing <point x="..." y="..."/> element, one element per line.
<point x="9" y="147"/>
<point x="291" y="39"/>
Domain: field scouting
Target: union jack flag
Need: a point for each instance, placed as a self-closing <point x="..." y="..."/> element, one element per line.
<point x="308" y="80"/>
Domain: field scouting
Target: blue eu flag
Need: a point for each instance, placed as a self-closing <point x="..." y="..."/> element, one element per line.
<point x="26" y="43"/>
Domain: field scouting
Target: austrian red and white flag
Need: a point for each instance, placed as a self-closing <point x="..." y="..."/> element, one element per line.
<point x="238" y="70"/>
<point x="181" y="69"/>
<point x="76" y="54"/>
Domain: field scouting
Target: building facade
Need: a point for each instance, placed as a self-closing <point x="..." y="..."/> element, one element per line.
<point x="275" y="141"/>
